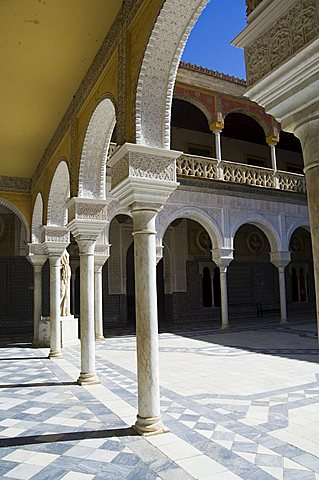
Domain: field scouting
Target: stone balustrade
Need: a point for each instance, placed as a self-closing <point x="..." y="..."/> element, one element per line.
<point x="207" y="168"/>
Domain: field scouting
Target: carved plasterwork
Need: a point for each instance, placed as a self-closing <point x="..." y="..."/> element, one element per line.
<point x="56" y="235"/>
<point x="37" y="220"/>
<point x="58" y="196"/>
<point x="95" y="150"/>
<point x="15" y="184"/>
<point x="158" y="72"/>
<point x="251" y="5"/>
<point x="89" y="210"/>
<point x="140" y="165"/>
<point x="293" y="31"/>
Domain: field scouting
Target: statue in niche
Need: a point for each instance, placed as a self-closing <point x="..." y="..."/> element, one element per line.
<point x="65" y="275"/>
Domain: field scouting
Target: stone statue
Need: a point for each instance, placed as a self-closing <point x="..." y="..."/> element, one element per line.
<point x="65" y="275"/>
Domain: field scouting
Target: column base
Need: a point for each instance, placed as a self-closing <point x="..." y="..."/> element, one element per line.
<point x="55" y="354"/>
<point x="149" y="426"/>
<point x="88" y="379"/>
<point x="224" y="327"/>
<point x="283" y="321"/>
<point x="99" y="337"/>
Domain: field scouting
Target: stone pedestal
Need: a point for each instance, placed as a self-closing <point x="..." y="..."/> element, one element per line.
<point x="222" y="257"/>
<point x="69" y="331"/>
<point x="87" y="220"/>
<point x="142" y="179"/>
<point x="56" y="241"/>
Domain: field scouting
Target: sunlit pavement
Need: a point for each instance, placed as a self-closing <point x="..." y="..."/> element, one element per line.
<point x="240" y="404"/>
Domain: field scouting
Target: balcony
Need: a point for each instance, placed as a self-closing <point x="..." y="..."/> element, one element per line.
<point x="211" y="169"/>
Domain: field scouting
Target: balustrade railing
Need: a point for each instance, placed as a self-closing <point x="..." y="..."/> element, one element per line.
<point x="195" y="166"/>
<point x="211" y="169"/>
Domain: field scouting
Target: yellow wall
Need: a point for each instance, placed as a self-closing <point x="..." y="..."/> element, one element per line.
<point x="20" y="200"/>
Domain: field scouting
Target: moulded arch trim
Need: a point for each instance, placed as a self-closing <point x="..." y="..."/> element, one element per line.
<point x="57" y="214"/>
<point x="16" y="211"/>
<point x="196" y="103"/>
<point x="258" y="119"/>
<point x="267" y="227"/>
<point x="198" y="216"/>
<point x="301" y="223"/>
<point x="159" y="68"/>
<point x="37" y="220"/>
<point x="92" y="172"/>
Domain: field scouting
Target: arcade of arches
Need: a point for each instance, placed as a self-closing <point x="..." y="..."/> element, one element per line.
<point x="183" y="210"/>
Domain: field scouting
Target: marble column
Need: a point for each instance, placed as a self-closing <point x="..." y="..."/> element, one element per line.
<point x="149" y="417"/>
<point x="308" y="133"/>
<point x="147" y="183"/>
<point x="222" y="257"/>
<point x="281" y="260"/>
<point x="56" y="239"/>
<point x="37" y="262"/>
<point x="99" y="261"/>
<point x="217" y="128"/>
<point x="272" y="142"/>
<point x="86" y="223"/>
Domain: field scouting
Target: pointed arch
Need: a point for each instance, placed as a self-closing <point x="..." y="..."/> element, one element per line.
<point x="59" y="194"/>
<point x="37" y="220"/>
<point x="92" y="182"/>
<point x="265" y="225"/>
<point x="159" y="68"/>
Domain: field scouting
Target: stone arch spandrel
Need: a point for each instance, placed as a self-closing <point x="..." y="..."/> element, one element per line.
<point x="58" y="196"/>
<point x="37" y="220"/>
<point x="265" y="225"/>
<point x="96" y="143"/>
<point x="158" y="71"/>
<point x="19" y="214"/>
<point x="165" y="218"/>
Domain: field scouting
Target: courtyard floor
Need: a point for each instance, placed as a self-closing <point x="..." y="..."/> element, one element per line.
<point x="243" y="404"/>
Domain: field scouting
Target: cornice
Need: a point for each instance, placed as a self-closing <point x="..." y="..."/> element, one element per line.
<point x="15" y="184"/>
<point x="212" y="73"/>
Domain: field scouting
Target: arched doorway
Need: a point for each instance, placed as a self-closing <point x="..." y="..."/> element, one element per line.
<point x="16" y="273"/>
<point x="252" y="278"/>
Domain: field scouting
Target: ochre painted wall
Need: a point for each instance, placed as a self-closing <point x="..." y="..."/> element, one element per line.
<point x="20" y="200"/>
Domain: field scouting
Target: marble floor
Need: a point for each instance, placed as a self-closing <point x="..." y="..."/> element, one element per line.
<point x="243" y="404"/>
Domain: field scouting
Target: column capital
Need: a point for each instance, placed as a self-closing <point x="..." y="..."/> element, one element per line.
<point x="87" y="219"/>
<point x="101" y="255"/>
<point x="217" y="127"/>
<point x="223" y="257"/>
<point x="37" y="255"/>
<point x="280" y="259"/>
<point x="159" y="253"/>
<point x="272" y="139"/>
<point x="56" y="239"/>
<point x="142" y="174"/>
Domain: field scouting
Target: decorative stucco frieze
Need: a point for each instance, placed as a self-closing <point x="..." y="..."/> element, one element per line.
<point x="15" y="184"/>
<point x="291" y="32"/>
<point x="56" y="235"/>
<point x="80" y="209"/>
<point x="120" y="171"/>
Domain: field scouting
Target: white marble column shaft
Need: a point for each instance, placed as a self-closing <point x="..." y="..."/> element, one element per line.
<point x="55" y="328"/>
<point x="308" y="133"/>
<point x="37" y="302"/>
<point x="98" y="303"/>
<point x="88" y="374"/>
<point x="148" y="418"/>
<point x="218" y="148"/>
<point x="282" y="293"/>
<point x="224" y="297"/>
<point x="273" y="155"/>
